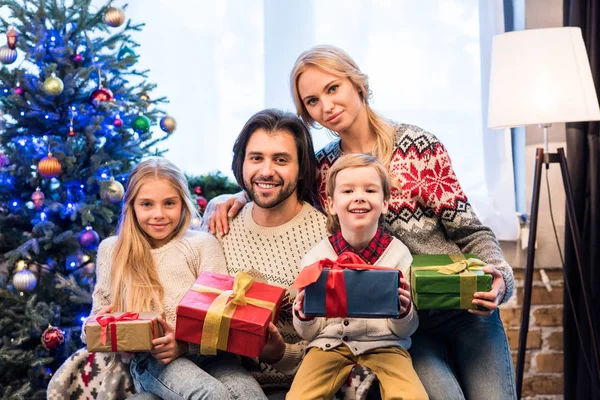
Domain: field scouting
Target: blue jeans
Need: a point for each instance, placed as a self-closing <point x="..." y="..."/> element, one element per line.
<point x="459" y="355"/>
<point x="195" y="377"/>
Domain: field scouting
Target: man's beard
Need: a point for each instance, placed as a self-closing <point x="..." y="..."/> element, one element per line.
<point x="284" y="193"/>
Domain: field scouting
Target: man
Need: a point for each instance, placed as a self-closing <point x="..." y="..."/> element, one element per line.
<point x="275" y="165"/>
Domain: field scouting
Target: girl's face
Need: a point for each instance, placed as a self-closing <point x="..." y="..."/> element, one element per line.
<point x="330" y="100"/>
<point x="357" y="199"/>
<point x="158" y="209"/>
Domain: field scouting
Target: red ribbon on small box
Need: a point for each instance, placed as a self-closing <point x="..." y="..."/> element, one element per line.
<point x="105" y="320"/>
<point x="336" y="300"/>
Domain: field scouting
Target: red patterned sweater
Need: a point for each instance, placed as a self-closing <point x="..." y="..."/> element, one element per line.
<point x="429" y="213"/>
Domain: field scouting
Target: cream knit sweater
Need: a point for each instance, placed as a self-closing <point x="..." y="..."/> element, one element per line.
<point x="178" y="263"/>
<point x="273" y="254"/>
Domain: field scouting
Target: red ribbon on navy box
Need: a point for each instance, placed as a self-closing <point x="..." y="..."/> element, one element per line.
<point x="336" y="301"/>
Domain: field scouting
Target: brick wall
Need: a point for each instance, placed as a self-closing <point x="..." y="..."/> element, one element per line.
<point x="543" y="377"/>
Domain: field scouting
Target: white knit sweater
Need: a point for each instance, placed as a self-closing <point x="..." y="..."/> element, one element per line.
<point x="360" y="334"/>
<point x="178" y="263"/>
<point x="273" y="254"/>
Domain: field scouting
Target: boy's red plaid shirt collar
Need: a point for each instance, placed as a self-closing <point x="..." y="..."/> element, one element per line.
<point x="371" y="253"/>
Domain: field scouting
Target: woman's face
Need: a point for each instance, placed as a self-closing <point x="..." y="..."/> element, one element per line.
<point x="330" y="100"/>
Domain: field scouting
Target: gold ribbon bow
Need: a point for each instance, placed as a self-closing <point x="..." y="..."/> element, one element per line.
<point x="464" y="268"/>
<point x="215" y="331"/>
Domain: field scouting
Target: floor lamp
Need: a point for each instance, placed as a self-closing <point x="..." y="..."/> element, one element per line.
<point x="540" y="77"/>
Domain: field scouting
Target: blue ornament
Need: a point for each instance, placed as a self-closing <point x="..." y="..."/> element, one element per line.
<point x="89" y="239"/>
<point x="128" y="55"/>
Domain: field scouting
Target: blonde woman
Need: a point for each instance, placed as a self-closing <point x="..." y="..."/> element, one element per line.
<point x="149" y="265"/>
<point x="456" y="354"/>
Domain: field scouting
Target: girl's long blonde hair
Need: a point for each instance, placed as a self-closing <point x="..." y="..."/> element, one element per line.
<point x="135" y="284"/>
<point x="355" y="160"/>
<point x="337" y="62"/>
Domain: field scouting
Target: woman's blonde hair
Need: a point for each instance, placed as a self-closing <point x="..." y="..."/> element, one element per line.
<point x="337" y="62"/>
<point x="135" y="285"/>
<point x="354" y="160"/>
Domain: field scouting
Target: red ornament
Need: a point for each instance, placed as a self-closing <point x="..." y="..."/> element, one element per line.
<point x="52" y="338"/>
<point x="118" y="122"/>
<point x="77" y="58"/>
<point x="11" y="38"/>
<point x="198" y="190"/>
<point x="202" y="202"/>
<point x="71" y="131"/>
<point x="100" y="95"/>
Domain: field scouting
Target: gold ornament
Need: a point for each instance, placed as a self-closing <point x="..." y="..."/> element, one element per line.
<point x="53" y="85"/>
<point x="114" y="17"/>
<point x="7" y="55"/>
<point x="49" y="167"/>
<point x="113" y="191"/>
<point x="38" y="199"/>
<point x="21" y="265"/>
<point x="168" y="124"/>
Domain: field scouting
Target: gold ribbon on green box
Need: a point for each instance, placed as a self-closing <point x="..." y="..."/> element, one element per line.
<point x="464" y="268"/>
<point x="215" y="331"/>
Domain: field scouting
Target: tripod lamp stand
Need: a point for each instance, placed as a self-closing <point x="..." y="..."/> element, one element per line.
<point x="540" y="77"/>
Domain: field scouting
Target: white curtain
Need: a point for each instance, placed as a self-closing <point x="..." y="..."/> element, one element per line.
<point x="428" y="63"/>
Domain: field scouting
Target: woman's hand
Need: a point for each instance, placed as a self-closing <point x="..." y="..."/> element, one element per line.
<point x="490" y="300"/>
<point x="166" y="349"/>
<point x="404" y="297"/>
<point x="220" y="212"/>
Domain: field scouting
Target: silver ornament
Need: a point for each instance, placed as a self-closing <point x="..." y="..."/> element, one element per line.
<point x="113" y="191"/>
<point x="168" y="124"/>
<point x="114" y="17"/>
<point x="7" y="55"/>
<point x="24" y="280"/>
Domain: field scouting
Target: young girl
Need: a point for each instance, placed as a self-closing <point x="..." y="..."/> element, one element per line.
<point x="358" y="192"/>
<point x="149" y="266"/>
<point x="457" y="353"/>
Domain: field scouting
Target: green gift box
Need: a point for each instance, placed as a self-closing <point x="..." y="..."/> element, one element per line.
<point x="447" y="281"/>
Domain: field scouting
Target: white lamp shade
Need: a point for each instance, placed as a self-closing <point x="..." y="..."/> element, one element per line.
<point x="541" y="76"/>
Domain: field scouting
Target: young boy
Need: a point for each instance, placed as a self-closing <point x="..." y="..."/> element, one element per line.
<point x="358" y="191"/>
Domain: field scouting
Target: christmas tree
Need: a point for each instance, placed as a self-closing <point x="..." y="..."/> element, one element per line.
<point x="77" y="117"/>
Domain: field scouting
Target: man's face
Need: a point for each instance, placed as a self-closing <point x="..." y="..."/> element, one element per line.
<point x="271" y="168"/>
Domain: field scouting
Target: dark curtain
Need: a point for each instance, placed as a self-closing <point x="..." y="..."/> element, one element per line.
<point x="583" y="153"/>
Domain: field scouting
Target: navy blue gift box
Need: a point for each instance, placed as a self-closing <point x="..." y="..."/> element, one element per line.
<point x="369" y="294"/>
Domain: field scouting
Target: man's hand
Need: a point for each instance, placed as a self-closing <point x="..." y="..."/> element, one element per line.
<point x="218" y="215"/>
<point x="274" y="348"/>
<point x="490" y="300"/>
<point x="166" y="349"/>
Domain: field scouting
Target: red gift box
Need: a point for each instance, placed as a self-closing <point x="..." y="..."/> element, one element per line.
<point x="249" y="307"/>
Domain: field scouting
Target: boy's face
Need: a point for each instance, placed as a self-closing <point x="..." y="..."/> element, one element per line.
<point x="357" y="199"/>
